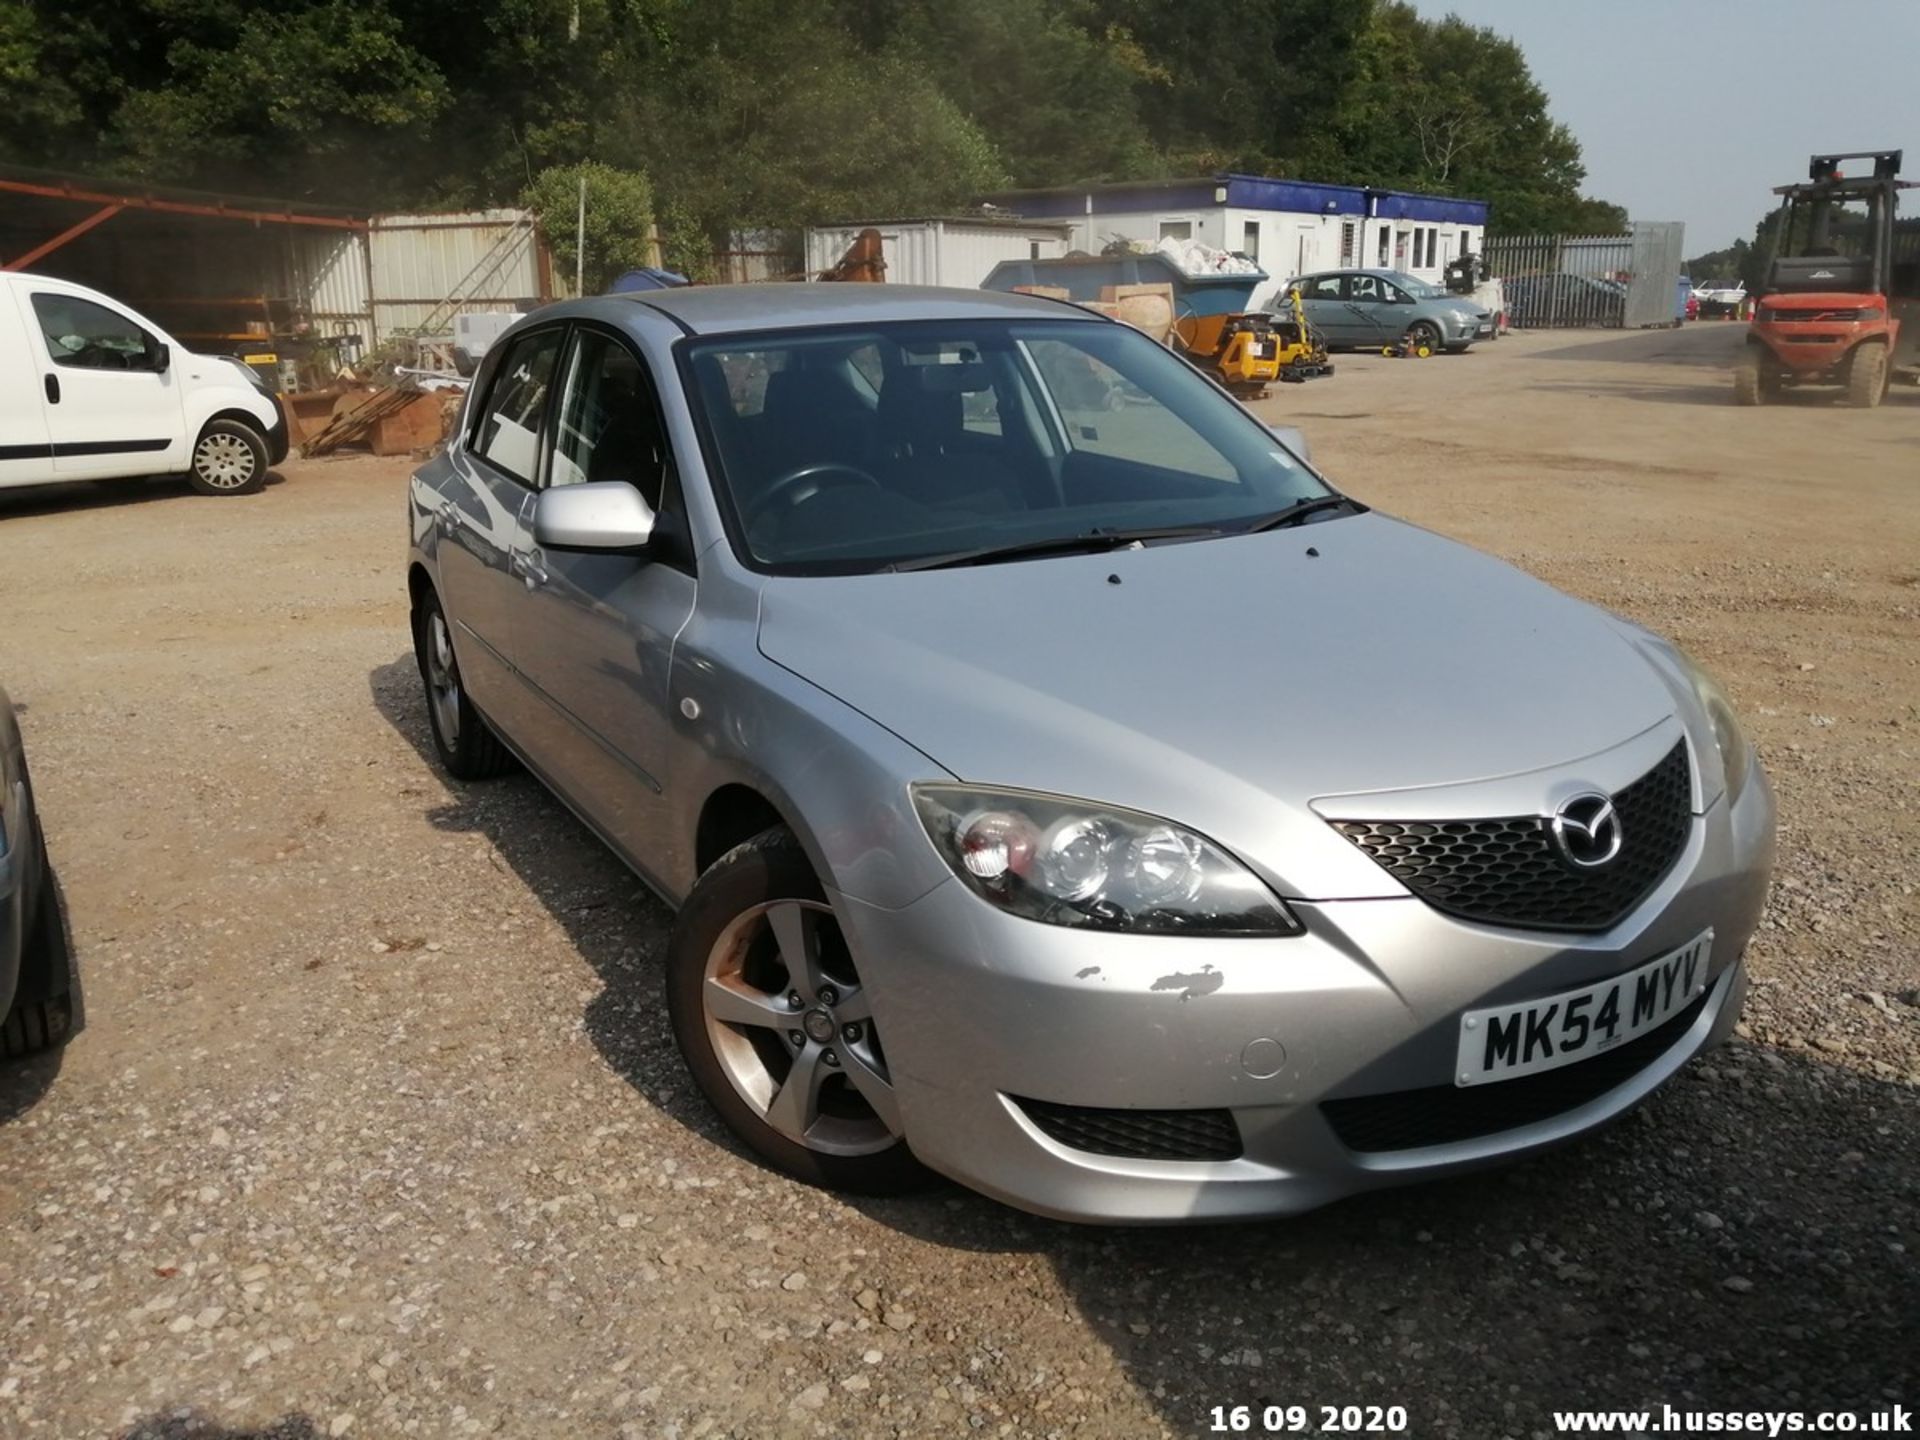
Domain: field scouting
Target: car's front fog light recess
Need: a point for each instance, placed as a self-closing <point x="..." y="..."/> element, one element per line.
<point x="1070" y="862"/>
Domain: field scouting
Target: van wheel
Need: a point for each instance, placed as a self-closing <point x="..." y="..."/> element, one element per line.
<point x="777" y="1025"/>
<point x="228" y="459"/>
<point x="1867" y="375"/>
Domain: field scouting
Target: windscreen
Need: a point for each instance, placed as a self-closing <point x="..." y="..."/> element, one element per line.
<point x="1828" y="242"/>
<point x="853" y="449"/>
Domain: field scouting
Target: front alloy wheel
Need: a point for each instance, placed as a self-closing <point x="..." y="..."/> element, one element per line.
<point x="777" y="1027"/>
<point x="793" y="1030"/>
<point x="467" y="747"/>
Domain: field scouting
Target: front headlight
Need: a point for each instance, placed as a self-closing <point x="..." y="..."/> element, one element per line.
<point x="252" y="375"/>
<point x="1735" y="754"/>
<point x="1070" y="862"/>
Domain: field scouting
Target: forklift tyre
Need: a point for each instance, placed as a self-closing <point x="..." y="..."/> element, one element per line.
<point x="1747" y="389"/>
<point x="1867" y="375"/>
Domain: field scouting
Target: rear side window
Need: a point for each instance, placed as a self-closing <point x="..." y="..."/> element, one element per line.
<point x="1323" y="287"/>
<point x="89" y="336"/>
<point x="507" y="434"/>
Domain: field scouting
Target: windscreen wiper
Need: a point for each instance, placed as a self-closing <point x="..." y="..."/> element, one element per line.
<point x="1300" y="510"/>
<point x="1090" y="542"/>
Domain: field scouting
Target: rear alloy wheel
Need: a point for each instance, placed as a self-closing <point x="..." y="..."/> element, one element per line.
<point x="228" y="459"/>
<point x="778" y="1028"/>
<point x="1867" y="375"/>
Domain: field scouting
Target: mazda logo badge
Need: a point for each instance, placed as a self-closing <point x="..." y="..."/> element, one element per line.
<point x="1586" y="831"/>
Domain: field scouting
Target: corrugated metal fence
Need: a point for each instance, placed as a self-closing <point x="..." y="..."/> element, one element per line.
<point x="410" y="274"/>
<point x="424" y="269"/>
<point x="1629" y="280"/>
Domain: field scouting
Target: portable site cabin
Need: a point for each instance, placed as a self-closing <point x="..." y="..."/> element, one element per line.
<point x="1288" y="227"/>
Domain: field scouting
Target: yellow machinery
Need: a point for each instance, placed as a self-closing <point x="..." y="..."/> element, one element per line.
<point x="1251" y="349"/>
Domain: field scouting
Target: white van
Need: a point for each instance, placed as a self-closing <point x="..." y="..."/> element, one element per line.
<point x="91" y="390"/>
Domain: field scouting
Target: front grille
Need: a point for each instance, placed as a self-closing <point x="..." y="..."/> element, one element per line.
<point x="1505" y="871"/>
<point x="1804" y="317"/>
<point x="1138" y="1134"/>
<point x="1443" y="1114"/>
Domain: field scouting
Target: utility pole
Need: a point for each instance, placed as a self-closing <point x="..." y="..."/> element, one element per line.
<point x="580" y="244"/>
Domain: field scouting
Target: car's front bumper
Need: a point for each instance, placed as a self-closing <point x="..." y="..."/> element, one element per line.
<point x="279" y="438"/>
<point x="978" y="1009"/>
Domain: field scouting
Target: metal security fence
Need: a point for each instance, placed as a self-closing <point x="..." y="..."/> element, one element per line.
<point x="1629" y="280"/>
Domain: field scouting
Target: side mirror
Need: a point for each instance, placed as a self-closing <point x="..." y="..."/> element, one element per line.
<point x="1294" y="440"/>
<point x="160" y="356"/>
<point x="608" y="515"/>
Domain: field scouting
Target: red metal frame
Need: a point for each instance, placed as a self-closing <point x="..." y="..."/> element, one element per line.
<point x="182" y="207"/>
<point x="112" y="205"/>
<point x="100" y="216"/>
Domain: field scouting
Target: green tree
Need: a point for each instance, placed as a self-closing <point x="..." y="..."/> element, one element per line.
<point x="1056" y="102"/>
<point x="757" y="114"/>
<point x="619" y="219"/>
<point x="762" y="113"/>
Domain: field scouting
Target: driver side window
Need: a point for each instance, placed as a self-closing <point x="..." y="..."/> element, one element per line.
<point x="1365" y="288"/>
<point x="609" y="427"/>
<point x="87" y="336"/>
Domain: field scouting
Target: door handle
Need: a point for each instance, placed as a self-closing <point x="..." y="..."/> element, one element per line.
<point x="53" y="389"/>
<point x="530" y="569"/>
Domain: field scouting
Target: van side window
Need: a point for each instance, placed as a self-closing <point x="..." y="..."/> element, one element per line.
<point x="91" y="337"/>
<point x="507" y="434"/>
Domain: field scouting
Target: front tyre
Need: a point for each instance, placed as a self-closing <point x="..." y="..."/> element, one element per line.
<point x="229" y="458"/>
<point x="1867" y="375"/>
<point x="1423" y="338"/>
<point x="467" y="748"/>
<point x="777" y="1027"/>
<point x="1748" y="388"/>
<point x="44" y="1009"/>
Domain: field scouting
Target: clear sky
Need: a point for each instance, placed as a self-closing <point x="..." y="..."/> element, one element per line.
<point x="1694" y="109"/>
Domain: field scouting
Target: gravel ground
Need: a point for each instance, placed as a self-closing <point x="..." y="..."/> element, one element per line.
<point x="377" y="1130"/>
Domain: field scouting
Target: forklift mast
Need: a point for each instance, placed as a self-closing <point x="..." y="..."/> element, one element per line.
<point x="1836" y="231"/>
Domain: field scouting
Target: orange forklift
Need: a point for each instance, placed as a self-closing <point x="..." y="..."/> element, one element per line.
<point x="1841" y="301"/>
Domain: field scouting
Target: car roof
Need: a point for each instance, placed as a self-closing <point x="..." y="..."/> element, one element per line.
<point x="724" y="309"/>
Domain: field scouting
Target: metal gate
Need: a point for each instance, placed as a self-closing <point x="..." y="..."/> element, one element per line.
<point x="1629" y="280"/>
<point x="1653" y="292"/>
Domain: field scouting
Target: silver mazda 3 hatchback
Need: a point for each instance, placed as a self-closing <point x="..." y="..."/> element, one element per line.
<point x="1060" y="786"/>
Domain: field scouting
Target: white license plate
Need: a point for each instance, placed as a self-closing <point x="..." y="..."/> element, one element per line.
<point x="1486" y="329"/>
<point x="1508" y="1041"/>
